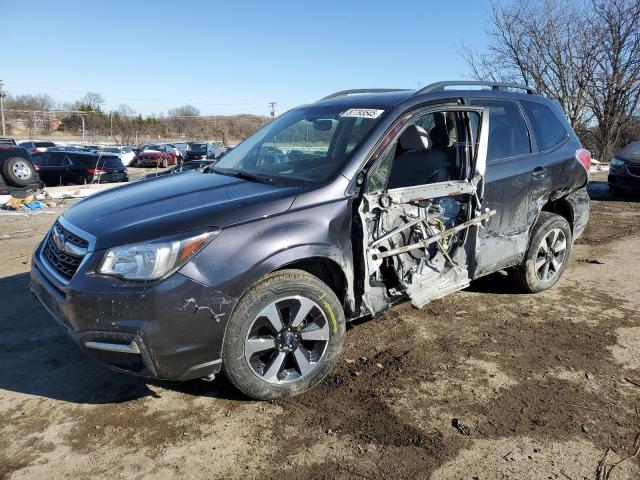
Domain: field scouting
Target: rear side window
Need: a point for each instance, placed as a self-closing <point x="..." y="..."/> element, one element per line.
<point x="58" y="159"/>
<point x="547" y="129"/>
<point x="508" y="134"/>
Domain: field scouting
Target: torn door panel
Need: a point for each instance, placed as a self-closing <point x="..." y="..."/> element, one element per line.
<point x="416" y="241"/>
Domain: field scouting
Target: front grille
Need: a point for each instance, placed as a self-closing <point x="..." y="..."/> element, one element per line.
<point x="634" y="170"/>
<point x="63" y="262"/>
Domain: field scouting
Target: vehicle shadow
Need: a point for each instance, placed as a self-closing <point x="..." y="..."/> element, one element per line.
<point x="600" y="190"/>
<point x="38" y="358"/>
<point x="499" y="283"/>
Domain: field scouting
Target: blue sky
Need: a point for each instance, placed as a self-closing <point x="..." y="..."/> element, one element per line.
<point x="231" y="57"/>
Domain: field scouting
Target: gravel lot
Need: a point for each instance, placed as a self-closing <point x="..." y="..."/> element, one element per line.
<point x="542" y="384"/>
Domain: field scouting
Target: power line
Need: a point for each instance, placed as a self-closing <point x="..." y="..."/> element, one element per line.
<point x="141" y="100"/>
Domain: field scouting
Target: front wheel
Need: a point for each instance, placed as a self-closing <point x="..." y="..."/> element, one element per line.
<point x="284" y="336"/>
<point x="548" y="253"/>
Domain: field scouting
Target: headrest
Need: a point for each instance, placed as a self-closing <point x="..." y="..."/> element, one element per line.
<point x="415" y="138"/>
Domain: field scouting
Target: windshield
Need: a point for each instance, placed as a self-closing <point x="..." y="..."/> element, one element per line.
<point x="198" y="147"/>
<point x="308" y="144"/>
<point x="157" y="148"/>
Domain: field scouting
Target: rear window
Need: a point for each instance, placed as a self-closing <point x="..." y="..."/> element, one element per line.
<point x="508" y="134"/>
<point x="547" y="129"/>
<point x="45" y="144"/>
<point x="113" y="163"/>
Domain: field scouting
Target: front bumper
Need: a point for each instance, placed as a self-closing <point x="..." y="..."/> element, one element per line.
<point x="171" y="330"/>
<point x="150" y="161"/>
<point x="623" y="177"/>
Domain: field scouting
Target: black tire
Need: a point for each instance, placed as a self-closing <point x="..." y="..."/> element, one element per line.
<point x="531" y="274"/>
<point x="18" y="171"/>
<point x="278" y="287"/>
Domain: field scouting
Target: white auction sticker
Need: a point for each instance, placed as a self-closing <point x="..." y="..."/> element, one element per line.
<point x="362" y="113"/>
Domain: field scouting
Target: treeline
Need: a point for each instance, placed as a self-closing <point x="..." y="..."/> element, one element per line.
<point x="40" y="115"/>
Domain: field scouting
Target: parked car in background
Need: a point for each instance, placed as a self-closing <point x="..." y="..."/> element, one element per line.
<point x="200" y="150"/>
<point x="183" y="167"/>
<point x="16" y="168"/>
<point x="64" y="167"/>
<point x="7" y="141"/>
<point x="181" y="150"/>
<point x="227" y="150"/>
<point x="160" y="155"/>
<point x="219" y="149"/>
<point x="36" y="146"/>
<point x="256" y="265"/>
<point x="624" y="169"/>
<point x="125" y="153"/>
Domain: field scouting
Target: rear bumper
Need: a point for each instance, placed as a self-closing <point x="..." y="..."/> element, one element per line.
<point x="170" y="330"/>
<point x="579" y="201"/>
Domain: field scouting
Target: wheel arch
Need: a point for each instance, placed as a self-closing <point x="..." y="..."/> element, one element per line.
<point x="327" y="270"/>
<point x="560" y="206"/>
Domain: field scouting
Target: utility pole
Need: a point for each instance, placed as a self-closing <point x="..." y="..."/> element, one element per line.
<point x="82" y="118"/>
<point x="111" y="120"/>
<point x="2" y="95"/>
<point x="272" y="105"/>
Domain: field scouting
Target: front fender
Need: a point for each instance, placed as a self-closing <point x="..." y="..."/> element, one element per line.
<point x="244" y="253"/>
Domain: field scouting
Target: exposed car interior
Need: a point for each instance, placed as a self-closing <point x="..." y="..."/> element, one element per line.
<point x="419" y="190"/>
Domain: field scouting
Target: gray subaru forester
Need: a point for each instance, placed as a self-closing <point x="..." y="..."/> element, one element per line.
<point x="335" y="211"/>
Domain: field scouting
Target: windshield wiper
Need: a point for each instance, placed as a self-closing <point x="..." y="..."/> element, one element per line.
<point x="245" y="175"/>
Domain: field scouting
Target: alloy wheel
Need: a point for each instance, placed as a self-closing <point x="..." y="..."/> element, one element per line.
<point x="551" y="254"/>
<point x="287" y="340"/>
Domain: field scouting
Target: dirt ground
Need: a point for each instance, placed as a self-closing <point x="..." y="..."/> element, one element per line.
<point x="541" y="385"/>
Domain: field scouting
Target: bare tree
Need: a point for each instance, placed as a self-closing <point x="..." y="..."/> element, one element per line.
<point x="93" y="100"/>
<point x="184" y="121"/>
<point x="126" y="121"/>
<point x="545" y="44"/>
<point x="615" y="81"/>
<point x="585" y="55"/>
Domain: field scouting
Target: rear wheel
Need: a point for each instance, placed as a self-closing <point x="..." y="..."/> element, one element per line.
<point x="284" y="336"/>
<point x="548" y="253"/>
<point x="18" y="171"/>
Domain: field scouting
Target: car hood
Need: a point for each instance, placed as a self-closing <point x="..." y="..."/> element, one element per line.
<point x="169" y="204"/>
<point x="630" y="153"/>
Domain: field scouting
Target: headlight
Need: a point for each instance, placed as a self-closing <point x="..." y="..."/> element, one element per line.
<point x="616" y="162"/>
<point x="153" y="260"/>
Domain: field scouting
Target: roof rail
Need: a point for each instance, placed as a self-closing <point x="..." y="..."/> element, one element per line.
<point x="440" y="86"/>
<point x="344" y="93"/>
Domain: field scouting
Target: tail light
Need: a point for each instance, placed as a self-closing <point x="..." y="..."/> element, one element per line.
<point x="94" y="171"/>
<point x="584" y="157"/>
<point x="126" y="170"/>
<point x="36" y="167"/>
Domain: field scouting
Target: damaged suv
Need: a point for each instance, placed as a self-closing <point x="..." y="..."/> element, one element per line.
<point x="334" y="211"/>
